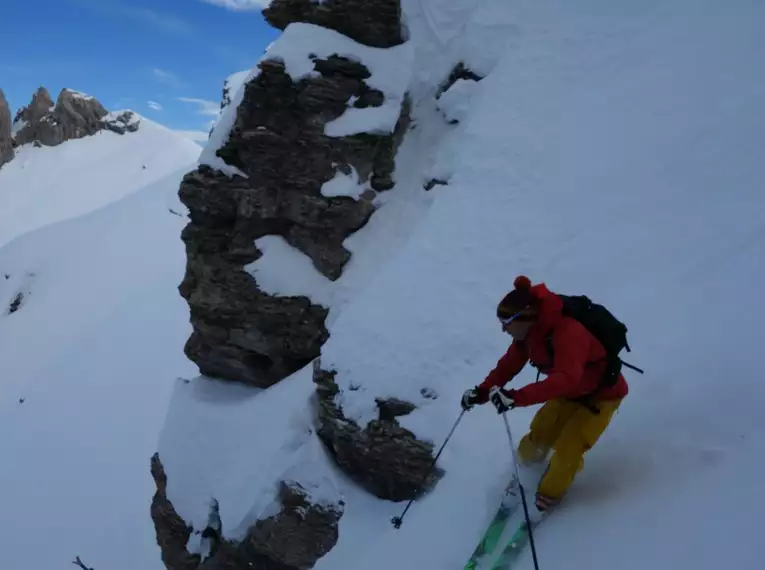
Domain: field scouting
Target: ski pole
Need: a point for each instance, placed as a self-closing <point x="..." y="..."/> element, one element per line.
<point x="523" y="492"/>
<point x="400" y="519"/>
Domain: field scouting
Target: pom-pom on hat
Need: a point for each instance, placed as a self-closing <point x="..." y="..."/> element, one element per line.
<point x="518" y="299"/>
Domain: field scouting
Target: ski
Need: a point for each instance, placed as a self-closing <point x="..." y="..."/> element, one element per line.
<point x="516" y="544"/>
<point x="511" y="502"/>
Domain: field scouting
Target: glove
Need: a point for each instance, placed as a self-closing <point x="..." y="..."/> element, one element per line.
<point x="471" y="397"/>
<point x="503" y="400"/>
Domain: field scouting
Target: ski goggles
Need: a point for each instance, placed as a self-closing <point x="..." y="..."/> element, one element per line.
<point x="510" y="319"/>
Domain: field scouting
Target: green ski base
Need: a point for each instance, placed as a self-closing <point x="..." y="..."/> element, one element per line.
<point x="515" y="546"/>
<point x="511" y="502"/>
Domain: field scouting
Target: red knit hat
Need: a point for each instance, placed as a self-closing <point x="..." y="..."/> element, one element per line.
<point x="518" y="299"/>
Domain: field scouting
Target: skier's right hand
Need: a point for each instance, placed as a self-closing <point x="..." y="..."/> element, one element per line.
<point x="470" y="398"/>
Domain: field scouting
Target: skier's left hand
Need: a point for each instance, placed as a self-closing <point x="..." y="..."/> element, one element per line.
<point x="503" y="400"/>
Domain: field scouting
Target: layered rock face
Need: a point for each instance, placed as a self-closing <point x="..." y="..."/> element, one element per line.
<point x="266" y="178"/>
<point x="383" y="457"/>
<point x="278" y="141"/>
<point x="294" y="539"/>
<point x="375" y="23"/>
<point x="40" y="106"/>
<point x="73" y="116"/>
<point x="6" y="139"/>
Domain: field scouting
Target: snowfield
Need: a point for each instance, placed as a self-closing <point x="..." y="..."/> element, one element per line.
<point x="93" y="352"/>
<point x="49" y="184"/>
<point x="613" y="148"/>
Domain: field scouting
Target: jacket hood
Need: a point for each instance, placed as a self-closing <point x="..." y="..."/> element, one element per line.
<point x="550" y="310"/>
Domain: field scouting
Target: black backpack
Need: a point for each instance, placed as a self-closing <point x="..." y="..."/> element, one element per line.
<point x="605" y="327"/>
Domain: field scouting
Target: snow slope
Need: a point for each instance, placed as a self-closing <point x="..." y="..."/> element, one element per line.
<point x="48" y="184"/>
<point x="615" y="149"/>
<point x="612" y="149"/>
<point x="93" y="352"/>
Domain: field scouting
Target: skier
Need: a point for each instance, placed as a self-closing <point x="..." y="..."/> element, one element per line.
<point x="577" y="408"/>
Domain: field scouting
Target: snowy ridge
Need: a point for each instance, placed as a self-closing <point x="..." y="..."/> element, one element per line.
<point x="49" y="184"/>
<point x="80" y="95"/>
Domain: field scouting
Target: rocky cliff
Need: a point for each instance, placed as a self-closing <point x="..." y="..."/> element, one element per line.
<point x="316" y="108"/>
<point x="40" y="106"/>
<point x="280" y="144"/>
<point x="303" y="531"/>
<point x="6" y="140"/>
<point x="74" y="116"/>
<point x="374" y="23"/>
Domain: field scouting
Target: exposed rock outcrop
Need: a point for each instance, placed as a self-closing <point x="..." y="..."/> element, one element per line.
<point x="172" y="532"/>
<point x="41" y="105"/>
<point x="278" y="141"/>
<point x="230" y="86"/>
<point x="294" y="539"/>
<point x="383" y="457"/>
<point x="6" y="140"/>
<point x="374" y="23"/>
<point x="459" y="71"/>
<point x="301" y="533"/>
<point x="74" y="116"/>
<point x="121" y="123"/>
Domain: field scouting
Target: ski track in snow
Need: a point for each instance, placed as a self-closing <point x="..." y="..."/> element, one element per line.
<point x="613" y="148"/>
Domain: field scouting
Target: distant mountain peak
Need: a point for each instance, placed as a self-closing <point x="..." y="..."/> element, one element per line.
<point x="75" y="115"/>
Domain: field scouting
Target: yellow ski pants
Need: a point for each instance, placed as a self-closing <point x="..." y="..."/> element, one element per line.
<point x="570" y="430"/>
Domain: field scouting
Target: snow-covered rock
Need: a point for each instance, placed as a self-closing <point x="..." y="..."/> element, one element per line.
<point x="383" y="457"/>
<point x="121" y="122"/>
<point x="456" y="101"/>
<point x="374" y="23"/>
<point x="244" y="191"/>
<point x="219" y="500"/>
<point x="231" y="85"/>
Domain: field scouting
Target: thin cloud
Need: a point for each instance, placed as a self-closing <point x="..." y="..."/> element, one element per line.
<point x="167" y="23"/>
<point x="240" y="5"/>
<point x="154" y="106"/>
<point x="162" y="21"/>
<point x="204" y="107"/>
<point x="196" y="136"/>
<point x="166" y="77"/>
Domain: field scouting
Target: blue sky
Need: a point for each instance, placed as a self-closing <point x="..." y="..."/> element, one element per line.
<point x="165" y="59"/>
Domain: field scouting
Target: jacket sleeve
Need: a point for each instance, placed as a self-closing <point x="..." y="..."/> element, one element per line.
<point x="511" y="363"/>
<point x="571" y="350"/>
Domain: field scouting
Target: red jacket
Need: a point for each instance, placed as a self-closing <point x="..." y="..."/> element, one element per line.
<point x="579" y="358"/>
